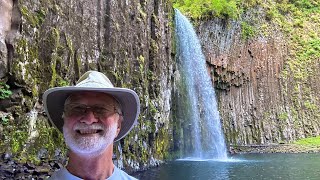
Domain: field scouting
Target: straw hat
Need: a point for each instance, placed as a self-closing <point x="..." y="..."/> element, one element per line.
<point x="93" y="81"/>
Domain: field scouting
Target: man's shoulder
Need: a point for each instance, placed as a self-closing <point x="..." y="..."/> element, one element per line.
<point x="119" y="174"/>
<point x="63" y="174"/>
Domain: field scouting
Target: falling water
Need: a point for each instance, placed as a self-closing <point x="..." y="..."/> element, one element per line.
<point x="206" y="127"/>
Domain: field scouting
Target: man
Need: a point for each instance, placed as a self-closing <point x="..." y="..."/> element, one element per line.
<point x="92" y="115"/>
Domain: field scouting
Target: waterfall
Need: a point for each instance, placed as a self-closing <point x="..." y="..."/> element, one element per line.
<point x="207" y="136"/>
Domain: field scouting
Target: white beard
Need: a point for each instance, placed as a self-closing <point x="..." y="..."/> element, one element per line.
<point x="92" y="145"/>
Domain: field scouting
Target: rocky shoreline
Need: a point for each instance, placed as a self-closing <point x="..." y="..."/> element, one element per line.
<point x="12" y="169"/>
<point x="273" y="148"/>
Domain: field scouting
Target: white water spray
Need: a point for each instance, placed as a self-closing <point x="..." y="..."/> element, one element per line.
<point x="206" y="130"/>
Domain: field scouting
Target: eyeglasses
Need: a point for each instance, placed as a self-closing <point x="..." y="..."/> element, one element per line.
<point x="82" y="109"/>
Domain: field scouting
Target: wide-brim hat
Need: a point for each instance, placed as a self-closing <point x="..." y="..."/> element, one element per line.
<point x="93" y="81"/>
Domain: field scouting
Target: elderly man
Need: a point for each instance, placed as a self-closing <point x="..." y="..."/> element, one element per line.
<point x="92" y="115"/>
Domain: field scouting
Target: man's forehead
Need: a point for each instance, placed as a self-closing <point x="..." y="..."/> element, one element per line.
<point x="91" y="95"/>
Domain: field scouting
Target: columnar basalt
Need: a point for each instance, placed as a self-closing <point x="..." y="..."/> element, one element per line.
<point x="255" y="90"/>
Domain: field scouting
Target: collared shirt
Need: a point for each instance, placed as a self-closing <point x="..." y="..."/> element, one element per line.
<point x="64" y="174"/>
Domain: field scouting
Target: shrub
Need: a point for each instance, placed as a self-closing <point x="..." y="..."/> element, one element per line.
<point x="5" y="91"/>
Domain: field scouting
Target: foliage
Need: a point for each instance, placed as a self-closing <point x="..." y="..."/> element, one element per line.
<point x="5" y="91"/>
<point x="283" y="116"/>
<point x="4" y="120"/>
<point x="310" y="106"/>
<point x="199" y="9"/>
<point x="248" y="31"/>
<point x="306" y="4"/>
<point x="62" y="82"/>
<point x="312" y="141"/>
<point x="307" y="52"/>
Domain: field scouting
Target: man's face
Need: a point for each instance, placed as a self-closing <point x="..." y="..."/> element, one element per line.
<point x="90" y="122"/>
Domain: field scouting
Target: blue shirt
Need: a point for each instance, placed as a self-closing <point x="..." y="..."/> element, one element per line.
<point x="64" y="174"/>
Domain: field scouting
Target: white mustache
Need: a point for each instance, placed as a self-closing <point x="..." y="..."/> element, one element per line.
<point x="86" y="127"/>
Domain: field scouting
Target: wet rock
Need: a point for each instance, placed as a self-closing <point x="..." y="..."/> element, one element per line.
<point x="43" y="153"/>
<point x="11" y="169"/>
<point x="41" y="171"/>
<point x="7" y="170"/>
<point x="6" y="156"/>
<point x="29" y="166"/>
<point x="273" y="148"/>
<point x="56" y="165"/>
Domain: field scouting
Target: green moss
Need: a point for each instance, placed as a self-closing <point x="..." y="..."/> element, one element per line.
<point x="141" y="61"/>
<point x="311" y="141"/>
<point x="152" y="109"/>
<point x="70" y="48"/>
<point x="25" y="65"/>
<point x="35" y="19"/>
<point x="162" y="144"/>
<point x="283" y="116"/>
<point x="128" y="150"/>
<point x="19" y="138"/>
<point x="141" y="12"/>
<point x="311" y="106"/>
<point x="16" y="137"/>
<point x="54" y="39"/>
<point x="49" y="138"/>
<point x="154" y="46"/>
<point x="272" y="13"/>
<point x="151" y="76"/>
<point x="61" y="82"/>
<point x="247" y="31"/>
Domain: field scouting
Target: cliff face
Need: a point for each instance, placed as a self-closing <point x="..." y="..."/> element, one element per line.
<point x="51" y="43"/>
<point x="265" y="95"/>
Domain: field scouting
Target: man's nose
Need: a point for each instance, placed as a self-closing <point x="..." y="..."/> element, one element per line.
<point x="89" y="117"/>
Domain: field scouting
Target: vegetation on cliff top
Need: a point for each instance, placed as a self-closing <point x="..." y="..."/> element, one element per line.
<point x="198" y="9"/>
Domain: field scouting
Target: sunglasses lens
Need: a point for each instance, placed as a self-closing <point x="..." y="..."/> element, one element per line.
<point x="100" y="112"/>
<point x="74" y="110"/>
<point x="81" y="110"/>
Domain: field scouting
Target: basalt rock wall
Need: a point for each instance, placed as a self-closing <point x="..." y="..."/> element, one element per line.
<point x="51" y="43"/>
<point x="261" y="100"/>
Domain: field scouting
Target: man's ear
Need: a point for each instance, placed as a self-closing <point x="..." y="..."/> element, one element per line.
<point x="119" y="124"/>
